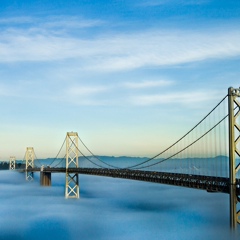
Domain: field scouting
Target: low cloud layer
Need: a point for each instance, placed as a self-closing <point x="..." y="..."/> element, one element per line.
<point x="109" y="208"/>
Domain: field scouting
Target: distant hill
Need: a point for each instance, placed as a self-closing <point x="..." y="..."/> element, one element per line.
<point x="4" y="165"/>
<point x="121" y="161"/>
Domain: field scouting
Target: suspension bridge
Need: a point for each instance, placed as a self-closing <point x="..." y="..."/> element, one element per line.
<point x="206" y="157"/>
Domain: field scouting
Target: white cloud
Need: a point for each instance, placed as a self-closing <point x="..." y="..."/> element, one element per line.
<point x="72" y="22"/>
<point x="59" y="21"/>
<point x="86" y="90"/>
<point x="7" y="90"/>
<point x="155" y="3"/>
<point x="16" y="20"/>
<point x="121" y="51"/>
<point x="187" y="98"/>
<point x="166" y="48"/>
<point x="148" y="84"/>
<point x="83" y="95"/>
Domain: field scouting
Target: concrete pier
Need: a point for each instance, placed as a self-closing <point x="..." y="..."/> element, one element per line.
<point x="45" y="179"/>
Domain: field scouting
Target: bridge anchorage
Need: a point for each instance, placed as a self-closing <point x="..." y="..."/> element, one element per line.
<point x="12" y="163"/>
<point x="72" y="183"/>
<point x="234" y="151"/>
<point x="29" y="158"/>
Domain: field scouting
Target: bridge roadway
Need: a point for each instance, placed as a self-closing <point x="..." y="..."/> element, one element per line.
<point x="208" y="183"/>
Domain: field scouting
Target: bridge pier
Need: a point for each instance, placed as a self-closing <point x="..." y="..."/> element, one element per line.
<point x="234" y="140"/>
<point x="45" y="178"/>
<point x="72" y="184"/>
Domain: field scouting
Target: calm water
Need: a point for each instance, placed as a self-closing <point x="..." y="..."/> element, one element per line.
<point x="109" y="208"/>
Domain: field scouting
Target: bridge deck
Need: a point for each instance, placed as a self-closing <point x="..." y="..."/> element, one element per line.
<point x="208" y="183"/>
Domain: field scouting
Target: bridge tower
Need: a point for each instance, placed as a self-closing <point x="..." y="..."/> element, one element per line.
<point x="234" y="150"/>
<point x="72" y="185"/>
<point x="29" y="158"/>
<point x="12" y="163"/>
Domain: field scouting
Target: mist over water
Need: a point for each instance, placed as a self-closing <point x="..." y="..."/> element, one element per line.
<point x="109" y="208"/>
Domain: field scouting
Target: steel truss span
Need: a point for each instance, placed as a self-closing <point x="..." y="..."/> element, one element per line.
<point x="210" y="184"/>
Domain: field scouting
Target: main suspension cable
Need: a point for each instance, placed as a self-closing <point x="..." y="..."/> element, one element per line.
<point x="97" y="156"/>
<point x="163" y="160"/>
<point x="157" y="155"/>
<point x="58" y="152"/>
<point x="179" y="138"/>
<point x="85" y="156"/>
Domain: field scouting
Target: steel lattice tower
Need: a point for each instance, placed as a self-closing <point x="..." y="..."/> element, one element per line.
<point x="234" y="141"/>
<point x="12" y="163"/>
<point x="72" y="185"/>
<point x="29" y="157"/>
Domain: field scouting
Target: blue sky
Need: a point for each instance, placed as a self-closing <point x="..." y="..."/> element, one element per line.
<point x="130" y="77"/>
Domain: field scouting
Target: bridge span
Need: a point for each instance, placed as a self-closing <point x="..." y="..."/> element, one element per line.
<point x="208" y="183"/>
<point x="207" y="157"/>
